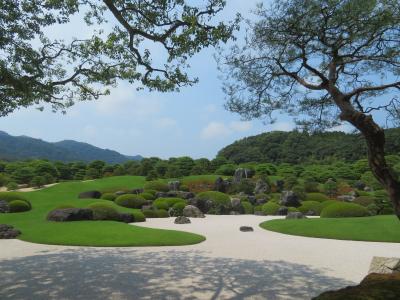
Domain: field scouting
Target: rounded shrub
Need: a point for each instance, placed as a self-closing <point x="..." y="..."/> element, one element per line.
<point x="344" y="210"/>
<point x="257" y="208"/>
<point x="270" y="208"/>
<point x="329" y="202"/>
<point x="147" y="196"/>
<point x="109" y="196"/>
<point x="139" y="216"/>
<point x="292" y="209"/>
<point x="162" y="213"/>
<point x="364" y="200"/>
<point x="156" y="185"/>
<point x="217" y="198"/>
<point x="165" y="203"/>
<point x="307" y="206"/>
<point x="184" y="188"/>
<point x="149" y="191"/>
<point x="130" y="201"/>
<point x="316" y="197"/>
<point x="248" y="207"/>
<point x="103" y="211"/>
<point x="18" y="206"/>
<point x="149" y="213"/>
<point x="10" y="196"/>
<point x="178" y="208"/>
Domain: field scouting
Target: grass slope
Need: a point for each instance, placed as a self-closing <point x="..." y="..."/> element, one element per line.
<point x="372" y="229"/>
<point x="36" y="229"/>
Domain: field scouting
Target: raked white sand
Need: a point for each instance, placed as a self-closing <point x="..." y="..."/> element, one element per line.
<point x="227" y="247"/>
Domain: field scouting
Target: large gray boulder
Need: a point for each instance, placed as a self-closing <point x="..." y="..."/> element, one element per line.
<point x="182" y="220"/>
<point x="191" y="211"/>
<point x="246" y="228"/>
<point x="8" y="232"/>
<point x="70" y="214"/>
<point x="282" y="211"/>
<point x="384" y="265"/>
<point x="221" y="185"/>
<point x="241" y="173"/>
<point x="4" y="207"/>
<point x="346" y="198"/>
<point x="262" y="187"/>
<point x="90" y="195"/>
<point x="289" y="199"/>
<point x="295" y="215"/>
<point x="126" y="218"/>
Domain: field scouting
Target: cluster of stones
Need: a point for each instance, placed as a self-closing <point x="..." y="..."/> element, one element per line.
<point x="82" y="214"/>
<point x="8" y="232"/>
<point x="4" y="207"/>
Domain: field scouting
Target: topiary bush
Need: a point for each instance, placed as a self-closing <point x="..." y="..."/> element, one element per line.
<point x="130" y="201"/>
<point x="178" y="209"/>
<point x="103" y="211"/>
<point x="292" y="209"/>
<point x="364" y="200"/>
<point x="217" y="198"/>
<point x="162" y="213"/>
<point x="150" y="191"/>
<point x="148" y="196"/>
<point x="155" y="213"/>
<point x="270" y="208"/>
<point x="248" y="208"/>
<point x="9" y="196"/>
<point x="316" y="197"/>
<point x="156" y="185"/>
<point x="344" y="210"/>
<point x="329" y="202"/>
<point x="257" y="208"/>
<point x="165" y="203"/>
<point x="214" y="202"/>
<point x="307" y="206"/>
<point x="19" y="206"/>
<point x="108" y="196"/>
<point x="139" y="216"/>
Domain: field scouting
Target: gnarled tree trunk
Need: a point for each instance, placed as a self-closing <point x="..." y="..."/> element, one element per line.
<point x="375" y="139"/>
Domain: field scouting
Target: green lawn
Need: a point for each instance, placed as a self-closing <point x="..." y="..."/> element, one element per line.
<point x="372" y="229"/>
<point x="36" y="229"/>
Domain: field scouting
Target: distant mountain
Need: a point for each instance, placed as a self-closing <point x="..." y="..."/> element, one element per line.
<point x="23" y="147"/>
<point x="297" y="147"/>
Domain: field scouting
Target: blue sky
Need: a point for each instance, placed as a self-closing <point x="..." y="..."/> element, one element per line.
<point x="192" y="122"/>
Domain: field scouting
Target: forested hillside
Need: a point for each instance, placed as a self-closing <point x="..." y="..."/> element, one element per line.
<point x="298" y="147"/>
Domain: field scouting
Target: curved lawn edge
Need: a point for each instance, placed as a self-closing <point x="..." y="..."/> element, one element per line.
<point x="113" y="234"/>
<point x="384" y="229"/>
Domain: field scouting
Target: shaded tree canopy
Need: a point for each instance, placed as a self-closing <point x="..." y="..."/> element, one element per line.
<point x="323" y="62"/>
<point x="35" y="69"/>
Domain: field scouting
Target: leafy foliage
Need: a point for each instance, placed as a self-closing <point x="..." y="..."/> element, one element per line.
<point x="344" y="210"/>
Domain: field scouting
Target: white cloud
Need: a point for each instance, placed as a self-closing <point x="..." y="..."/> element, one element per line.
<point x="214" y="130"/>
<point x="239" y="126"/>
<point x="165" y="123"/>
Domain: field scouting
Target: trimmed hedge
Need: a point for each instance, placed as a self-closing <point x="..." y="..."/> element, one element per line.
<point x="319" y="197"/>
<point x="344" y="210"/>
<point x="217" y="198"/>
<point x="248" y="208"/>
<point x="10" y="196"/>
<point x="150" y="191"/>
<point x="165" y="203"/>
<point x="109" y="196"/>
<point x="159" y="213"/>
<point x="139" y="216"/>
<point x="147" y="196"/>
<point x="19" y="206"/>
<point x="103" y="211"/>
<point x="329" y="202"/>
<point x="364" y="200"/>
<point x="130" y="201"/>
<point x="292" y="209"/>
<point x="270" y="208"/>
<point x="306" y="206"/>
<point x="156" y="185"/>
<point x="178" y="209"/>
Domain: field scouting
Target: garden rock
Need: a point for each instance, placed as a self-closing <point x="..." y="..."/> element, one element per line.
<point x="346" y="198"/>
<point x="252" y="199"/>
<point x="384" y="265"/>
<point x="368" y="189"/>
<point x="119" y="193"/>
<point x="174" y="185"/>
<point x="241" y="173"/>
<point x="261" y="201"/>
<point x="280" y="185"/>
<point x="126" y="218"/>
<point x="4" y="207"/>
<point x="221" y="185"/>
<point x="182" y="220"/>
<point x="191" y="211"/>
<point x="311" y="213"/>
<point x="136" y="191"/>
<point x="262" y="187"/>
<point x="90" y="195"/>
<point x="202" y="204"/>
<point x="295" y="215"/>
<point x="70" y="214"/>
<point x="290" y="199"/>
<point x="8" y="232"/>
<point x="282" y="211"/>
<point x="246" y="229"/>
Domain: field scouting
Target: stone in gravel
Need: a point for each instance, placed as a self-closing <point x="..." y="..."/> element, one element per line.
<point x="182" y="220"/>
<point x="246" y="229"/>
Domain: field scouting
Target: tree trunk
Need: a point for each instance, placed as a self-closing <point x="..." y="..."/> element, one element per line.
<point x="375" y="138"/>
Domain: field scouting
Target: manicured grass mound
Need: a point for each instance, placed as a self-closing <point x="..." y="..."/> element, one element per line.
<point x="19" y="206"/>
<point x="156" y="185"/>
<point x="103" y="211"/>
<point x="165" y="203"/>
<point x="217" y="198"/>
<point x="155" y="213"/>
<point x="307" y="206"/>
<point x="109" y="196"/>
<point x="36" y="229"/>
<point x="147" y="196"/>
<point x="374" y="229"/>
<point x="130" y="201"/>
<point x="316" y="197"/>
<point x="344" y="210"/>
<point x="270" y="208"/>
<point x="364" y="200"/>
